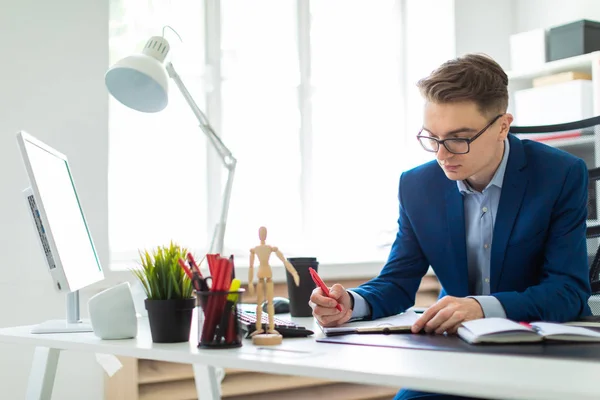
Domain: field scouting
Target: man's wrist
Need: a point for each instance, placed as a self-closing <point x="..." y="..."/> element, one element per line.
<point x="360" y="307"/>
<point x="351" y="300"/>
<point x="481" y="310"/>
<point x="490" y="306"/>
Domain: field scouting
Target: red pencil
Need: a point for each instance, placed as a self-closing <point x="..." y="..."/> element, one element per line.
<point x="221" y="269"/>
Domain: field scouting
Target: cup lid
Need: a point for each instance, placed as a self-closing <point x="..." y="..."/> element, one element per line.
<point x="302" y="259"/>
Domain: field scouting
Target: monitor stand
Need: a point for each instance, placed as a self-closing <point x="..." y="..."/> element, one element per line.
<point x="70" y="325"/>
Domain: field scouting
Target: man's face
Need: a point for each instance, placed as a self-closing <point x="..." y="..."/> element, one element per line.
<point x="463" y="120"/>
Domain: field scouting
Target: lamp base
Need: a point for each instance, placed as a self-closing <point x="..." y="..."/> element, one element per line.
<point x="62" y="326"/>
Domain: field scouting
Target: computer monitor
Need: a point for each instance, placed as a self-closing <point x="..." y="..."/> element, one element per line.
<point x="61" y="227"/>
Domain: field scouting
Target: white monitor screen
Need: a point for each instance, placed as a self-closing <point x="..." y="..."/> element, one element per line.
<point x="66" y="226"/>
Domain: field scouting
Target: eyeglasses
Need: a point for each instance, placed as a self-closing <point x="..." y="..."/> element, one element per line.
<point x="453" y="145"/>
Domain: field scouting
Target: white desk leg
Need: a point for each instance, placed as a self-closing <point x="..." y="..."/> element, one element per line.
<point x="208" y="385"/>
<point x="43" y="371"/>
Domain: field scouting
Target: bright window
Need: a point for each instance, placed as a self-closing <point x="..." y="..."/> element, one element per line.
<point x="157" y="168"/>
<point x="260" y="121"/>
<point x="313" y="106"/>
<point x="357" y="128"/>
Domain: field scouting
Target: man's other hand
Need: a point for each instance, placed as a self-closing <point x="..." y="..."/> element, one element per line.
<point x="324" y="307"/>
<point x="447" y="314"/>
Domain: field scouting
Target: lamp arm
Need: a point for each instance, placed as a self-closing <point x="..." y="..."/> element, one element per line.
<point x="216" y="246"/>
<point x="224" y="152"/>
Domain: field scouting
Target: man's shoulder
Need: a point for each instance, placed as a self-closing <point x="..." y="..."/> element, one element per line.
<point x="541" y="156"/>
<point x="424" y="173"/>
<point x="423" y="183"/>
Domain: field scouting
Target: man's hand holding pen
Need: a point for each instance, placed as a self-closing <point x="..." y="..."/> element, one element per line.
<point x="324" y="308"/>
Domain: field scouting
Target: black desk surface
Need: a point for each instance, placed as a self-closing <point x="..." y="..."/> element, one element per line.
<point x="577" y="351"/>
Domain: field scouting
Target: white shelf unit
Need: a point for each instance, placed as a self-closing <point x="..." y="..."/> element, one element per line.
<point x="584" y="147"/>
<point x="579" y="141"/>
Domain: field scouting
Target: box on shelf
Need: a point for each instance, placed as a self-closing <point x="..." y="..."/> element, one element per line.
<point x="528" y="49"/>
<point x="562" y="77"/>
<point x="554" y="104"/>
<point x="573" y="39"/>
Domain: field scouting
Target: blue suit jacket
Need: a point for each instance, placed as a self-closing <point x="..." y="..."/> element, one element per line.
<point x="539" y="264"/>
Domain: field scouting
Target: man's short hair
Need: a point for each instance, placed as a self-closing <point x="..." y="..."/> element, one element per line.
<point x="473" y="77"/>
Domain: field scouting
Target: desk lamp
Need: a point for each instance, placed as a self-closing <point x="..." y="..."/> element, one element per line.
<point x="140" y="82"/>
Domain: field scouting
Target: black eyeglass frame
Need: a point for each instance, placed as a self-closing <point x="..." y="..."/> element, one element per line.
<point x="465" y="140"/>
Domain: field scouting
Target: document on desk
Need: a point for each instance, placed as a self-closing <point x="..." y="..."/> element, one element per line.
<point x="394" y="324"/>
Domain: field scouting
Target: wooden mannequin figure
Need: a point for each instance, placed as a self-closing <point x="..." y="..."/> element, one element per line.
<point x="265" y="278"/>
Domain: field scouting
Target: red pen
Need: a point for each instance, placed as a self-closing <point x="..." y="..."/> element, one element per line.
<point x="319" y="282"/>
<point x="193" y="264"/>
<point x="190" y="274"/>
<point x="187" y="271"/>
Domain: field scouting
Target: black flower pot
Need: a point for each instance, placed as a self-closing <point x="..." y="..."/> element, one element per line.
<point x="170" y="320"/>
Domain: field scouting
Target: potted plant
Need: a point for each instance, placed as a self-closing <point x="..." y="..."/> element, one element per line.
<point x="170" y="302"/>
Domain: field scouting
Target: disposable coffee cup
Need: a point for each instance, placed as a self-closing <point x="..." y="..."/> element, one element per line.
<point x="300" y="295"/>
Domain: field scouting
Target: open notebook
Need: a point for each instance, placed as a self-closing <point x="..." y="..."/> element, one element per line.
<point x="394" y="324"/>
<point x="592" y="321"/>
<point x="501" y="330"/>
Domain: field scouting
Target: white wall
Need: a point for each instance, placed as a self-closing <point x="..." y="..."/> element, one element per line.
<point x="484" y="26"/>
<point x="533" y="14"/>
<point x="54" y="57"/>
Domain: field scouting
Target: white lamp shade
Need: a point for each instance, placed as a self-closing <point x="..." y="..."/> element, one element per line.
<point x="140" y="82"/>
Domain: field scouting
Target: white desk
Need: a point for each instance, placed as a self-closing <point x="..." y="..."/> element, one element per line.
<point x="490" y="376"/>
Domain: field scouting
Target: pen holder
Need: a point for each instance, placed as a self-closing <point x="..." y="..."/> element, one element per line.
<point x="218" y="323"/>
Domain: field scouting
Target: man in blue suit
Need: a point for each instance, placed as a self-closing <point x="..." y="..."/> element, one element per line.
<point x="500" y="220"/>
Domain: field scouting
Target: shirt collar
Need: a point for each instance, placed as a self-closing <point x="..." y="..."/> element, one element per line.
<point x="498" y="177"/>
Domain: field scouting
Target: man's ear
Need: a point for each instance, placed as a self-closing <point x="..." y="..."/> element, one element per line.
<point x="505" y="122"/>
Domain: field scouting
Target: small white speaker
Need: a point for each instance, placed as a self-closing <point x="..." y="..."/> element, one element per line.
<point x="112" y="313"/>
